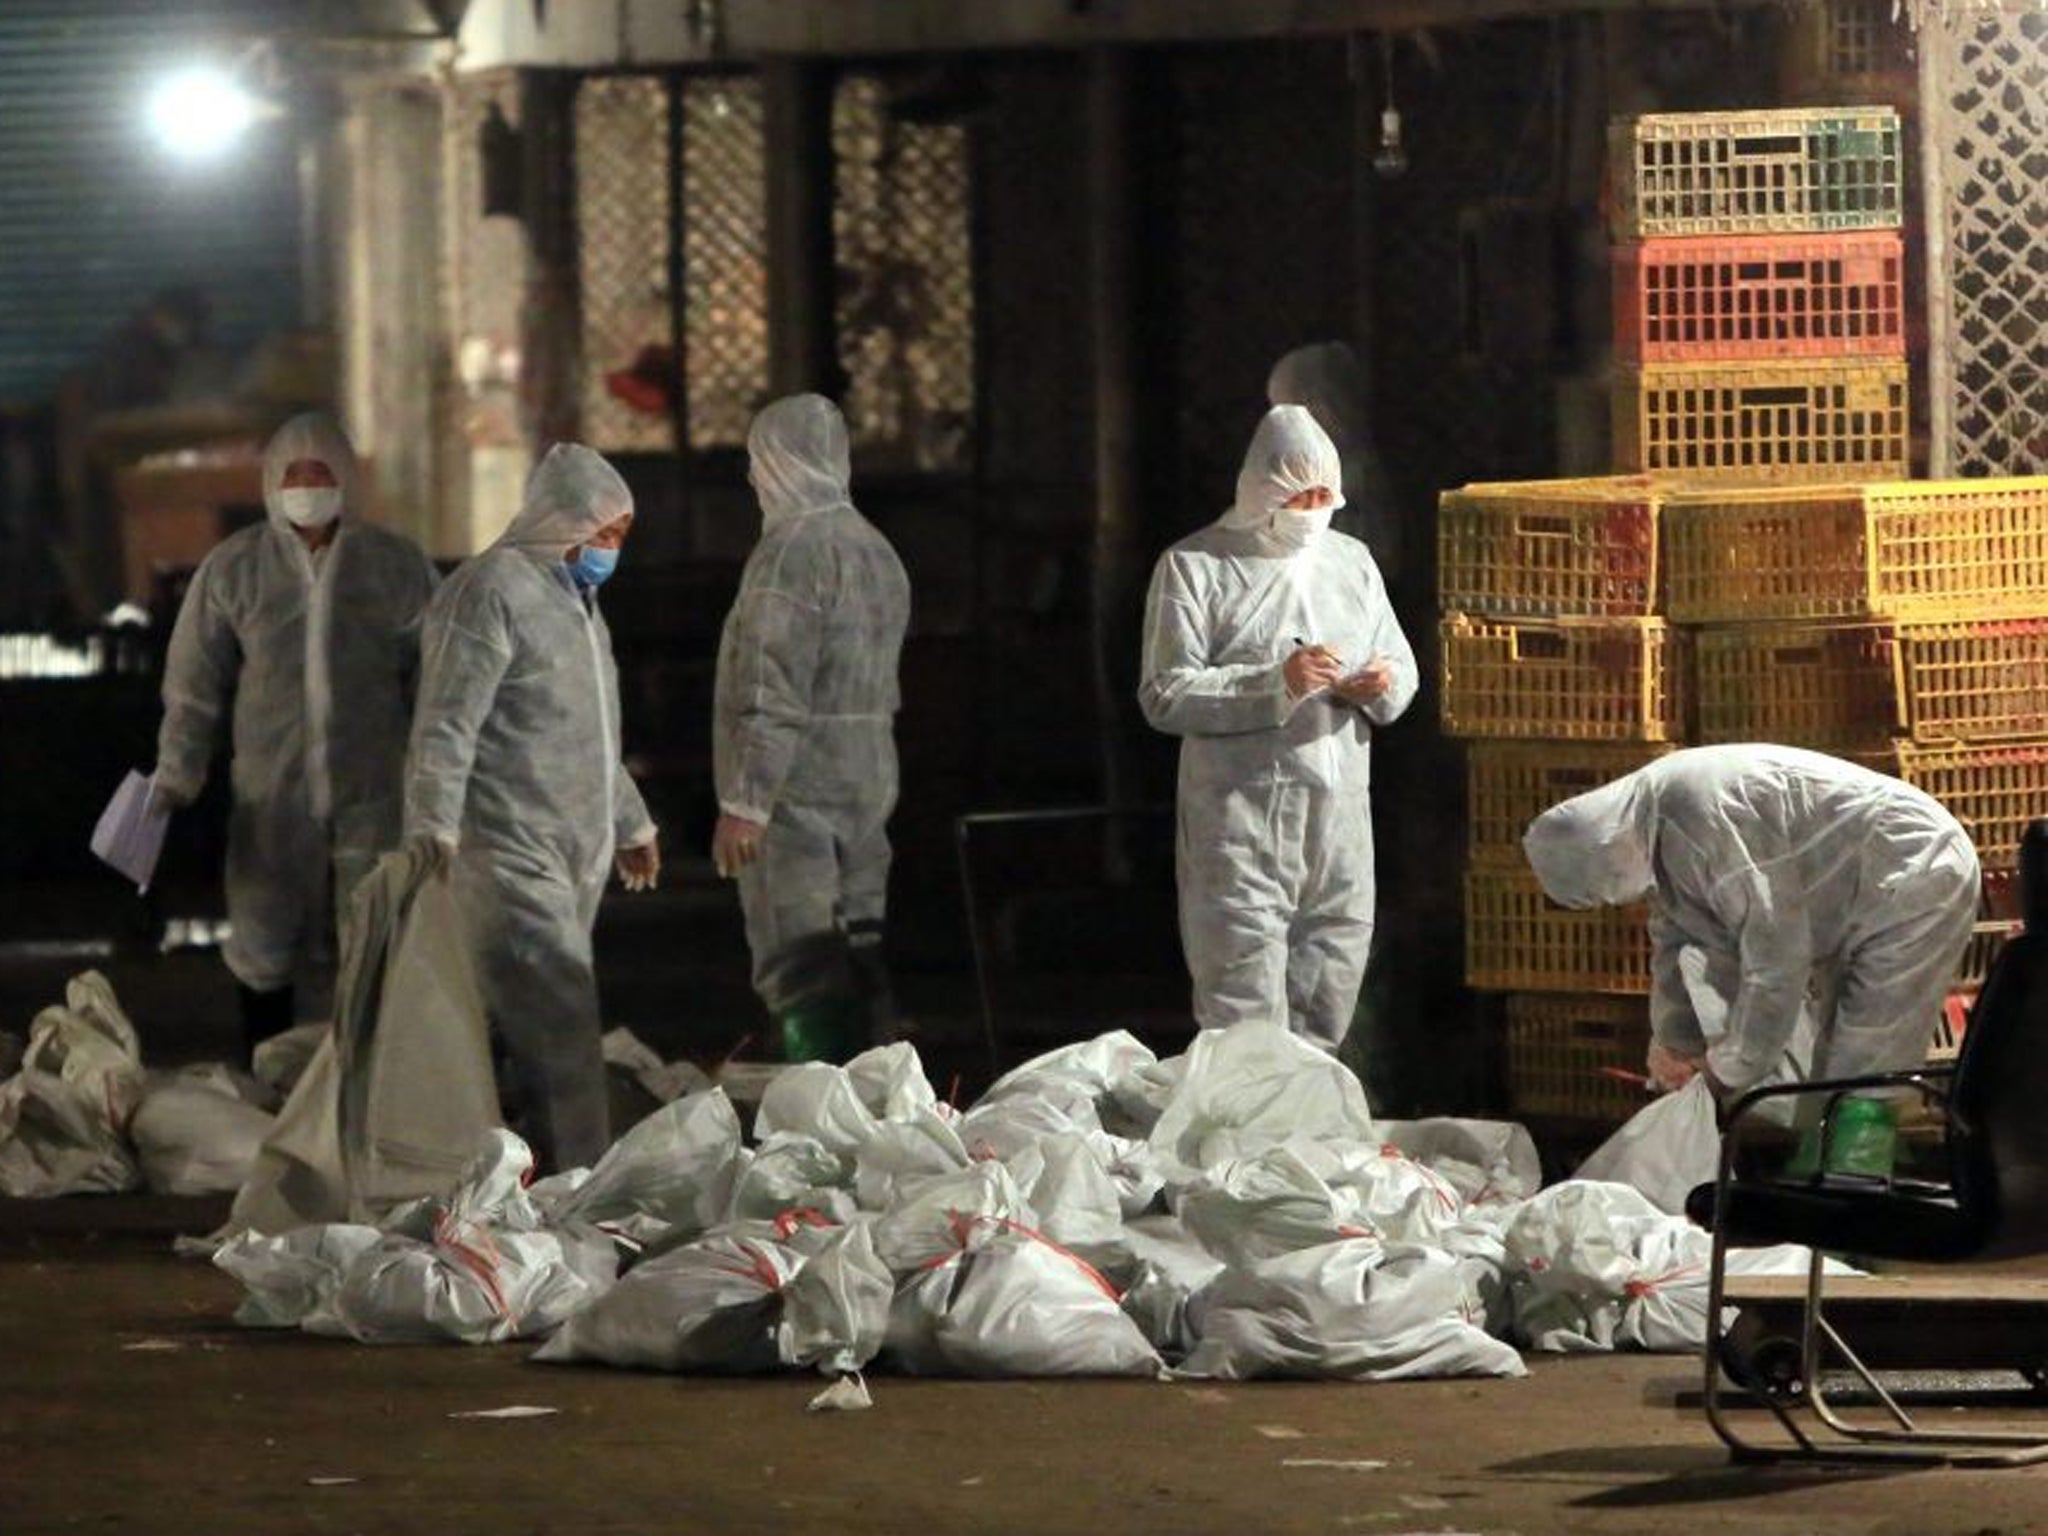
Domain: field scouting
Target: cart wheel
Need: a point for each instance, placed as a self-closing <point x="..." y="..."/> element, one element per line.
<point x="1778" y="1370"/>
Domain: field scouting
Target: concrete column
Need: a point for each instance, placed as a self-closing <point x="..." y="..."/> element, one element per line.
<point x="797" y="100"/>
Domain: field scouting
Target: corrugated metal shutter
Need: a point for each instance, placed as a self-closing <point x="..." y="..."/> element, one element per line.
<point x="94" y="217"/>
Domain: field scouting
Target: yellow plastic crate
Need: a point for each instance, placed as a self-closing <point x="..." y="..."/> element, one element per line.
<point x="1911" y="549"/>
<point x="1784" y="169"/>
<point x="1559" y="1049"/>
<point x="1518" y="940"/>
<point x="1564" y="679"/>
<point x="1860" y="685"/>
<point x="1994" y="791"/>
<point x="1764" y="423"/>
<point x="1514" y="782"/>
<point x="1550" y="548"/>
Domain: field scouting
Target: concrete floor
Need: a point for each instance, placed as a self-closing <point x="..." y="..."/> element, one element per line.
<point x="224" y="1434"/>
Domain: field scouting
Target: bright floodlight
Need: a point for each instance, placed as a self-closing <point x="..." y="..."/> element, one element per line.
<point x="200" y="112"/>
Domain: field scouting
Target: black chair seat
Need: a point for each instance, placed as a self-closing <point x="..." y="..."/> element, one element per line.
<point x="1845" y="1213"/>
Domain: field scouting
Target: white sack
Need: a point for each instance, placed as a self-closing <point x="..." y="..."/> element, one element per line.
<point x="818" y="1100"/>
<point x="1488" y="1162"/>
<point x="291" y="1276"/>
<point x="195" y="1136"/>
<point x="672" y="1173"/>
<point x="281" y="1061"/>
<point x="1251" y="1087"/>
<point x="1355" y="1310"/>
<point x="1010" y="1304"/>
<point x="1666" y="1149"/>
<point x="64" y="1115"/>
<point x="711" y="1305"/>
<point x="835" y="1312"/>
<point x="790" y="1172"/>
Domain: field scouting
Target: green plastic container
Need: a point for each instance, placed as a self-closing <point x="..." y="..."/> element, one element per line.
<point x="1865" y="1141"/>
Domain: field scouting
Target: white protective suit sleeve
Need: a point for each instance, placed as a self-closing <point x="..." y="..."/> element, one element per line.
<point x="1674" y="1021"/>
<point x="1390" y="644"/>
<point x="1765" y="909"/>
<point x="775" y="637"/>
<point x="1185" y="696"/>
<point x="458" y="687"/>
<point x="200" y="672"/>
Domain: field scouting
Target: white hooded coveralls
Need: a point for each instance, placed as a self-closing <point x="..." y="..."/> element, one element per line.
<point x="1768" y="870"/>
<point x="804" y="717"/>
<point x="516" y="763"/>
<point x="1328" y="378"/>
<point x="1274" y="844"/>
<point x="319" y="655"/>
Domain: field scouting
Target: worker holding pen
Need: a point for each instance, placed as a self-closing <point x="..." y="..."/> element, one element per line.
<point x="1272" y="651"/>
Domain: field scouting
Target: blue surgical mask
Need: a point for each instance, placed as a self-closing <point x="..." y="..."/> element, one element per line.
<point x="593" y="566"/>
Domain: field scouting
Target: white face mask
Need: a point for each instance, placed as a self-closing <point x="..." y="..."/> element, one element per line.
<point x="1297" y="529"/>
<point x="310" y="506"/>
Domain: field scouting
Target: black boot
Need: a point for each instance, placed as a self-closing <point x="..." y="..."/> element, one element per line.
<point x="264" y="1014"/>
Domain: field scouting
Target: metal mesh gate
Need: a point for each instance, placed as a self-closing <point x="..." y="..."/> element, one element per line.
<point x="1984" y="89"/>
<point x="624" y="230"/>
<point x="901" y="220"/>
<point x="725" y="257"/>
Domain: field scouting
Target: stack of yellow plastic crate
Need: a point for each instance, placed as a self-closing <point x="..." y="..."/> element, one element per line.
<point x="1767" y="536"/>
<point x="1557" y="663"/>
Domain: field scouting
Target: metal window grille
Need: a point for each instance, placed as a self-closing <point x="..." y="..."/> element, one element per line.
<point x="1984" y="91"/>
<point x="901" y="221"/>
<point x="725" y="258"/>
<point x="625" y="231"/>
<point x="622" y="232"/>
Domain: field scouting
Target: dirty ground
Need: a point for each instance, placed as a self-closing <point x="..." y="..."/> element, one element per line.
<point x="128" y="1402"/>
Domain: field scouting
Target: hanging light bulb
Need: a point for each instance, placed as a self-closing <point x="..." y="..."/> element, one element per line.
<point x="1390" y="159"/>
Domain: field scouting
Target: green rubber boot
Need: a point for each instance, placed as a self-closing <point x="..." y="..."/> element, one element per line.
<point x="833" y="1029"/>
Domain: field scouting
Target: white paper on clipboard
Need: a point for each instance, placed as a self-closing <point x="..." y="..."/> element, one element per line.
<point x="130" y="834"/>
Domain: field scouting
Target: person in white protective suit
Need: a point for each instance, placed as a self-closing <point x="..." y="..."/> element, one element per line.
<point x="1271" y="650"/>
<point x="1328" y="378"/>
<point x="515" y="775"/>
<point x="1773" y="873"/>
<point x="306" y="626"/>
<point x="804" y="744"/>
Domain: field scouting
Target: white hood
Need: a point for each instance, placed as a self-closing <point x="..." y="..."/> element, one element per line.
<point x="1596" y="849"/>
<point x="313" y="435"/>
<point x="798" y="458"/>
<point x="1289" y="454"/>
<point x="570" y="495"/>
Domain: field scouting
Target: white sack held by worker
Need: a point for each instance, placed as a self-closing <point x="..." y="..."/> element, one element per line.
<point x="515" y="776"/>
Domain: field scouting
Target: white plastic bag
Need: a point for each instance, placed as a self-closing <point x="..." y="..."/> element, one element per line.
<point x="788" y="1172"/>
<point x="1666" y="1149"/>
<point x="282" y="1060"/>
<point x="710" y="1305"/>
<point x="673" y="1173"/>
<point x="1571" y="1254"/>
<point x="919" y="1145"/>
<point x="818" y="1100"/>
<point x="891" y="1084"/>
<point x="64" y="1116"/>
<point x="835" y="1312"/>
<point x="1251" y="1087"/>
<point x="1355" y="1310"/>
<point x="195" y="1136"/>
<point x="1488" y="1162"/>
<point x="293" y="1275"/>
<point x="1007" y="1303"/>
<point x="933" y="1217"/>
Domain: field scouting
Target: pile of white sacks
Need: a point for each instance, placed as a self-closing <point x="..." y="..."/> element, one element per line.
<point x="1231" y="1213"/>
<point x="81" y="1114"/>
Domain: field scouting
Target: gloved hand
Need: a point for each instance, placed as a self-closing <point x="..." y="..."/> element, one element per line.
<point x="640" y="867"/>
<point x="1367" y="683"/>
<point x="437" y="853"/>
<point x="170" y="799"/>
<point x="735" y="843"/>
<point x="1669" y="1070"/>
